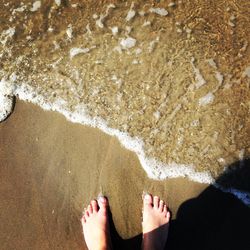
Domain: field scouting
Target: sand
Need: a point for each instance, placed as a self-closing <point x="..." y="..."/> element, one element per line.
<point x="51" y="168"/>
<point x="176" y="75"/>
<point x="180" y="82"/>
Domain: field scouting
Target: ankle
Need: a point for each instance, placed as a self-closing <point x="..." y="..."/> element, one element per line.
<point x="104" y="245"/>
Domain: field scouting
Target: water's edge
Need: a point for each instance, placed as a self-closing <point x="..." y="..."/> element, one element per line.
<point x="155" y="169"/>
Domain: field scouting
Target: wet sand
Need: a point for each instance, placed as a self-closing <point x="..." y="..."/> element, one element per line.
<point x="182" y="86"/>
<point x="51" y="168"/>
<point x="178" y="80"/>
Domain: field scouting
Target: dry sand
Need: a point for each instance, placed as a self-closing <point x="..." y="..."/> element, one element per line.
<point x="51" y="168"/>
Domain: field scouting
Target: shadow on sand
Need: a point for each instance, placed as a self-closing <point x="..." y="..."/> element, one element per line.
<point x="213" y="220"/>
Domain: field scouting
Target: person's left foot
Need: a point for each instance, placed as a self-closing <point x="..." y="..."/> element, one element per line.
<point x="95" y="225"/>
<point x="155" y="223"/>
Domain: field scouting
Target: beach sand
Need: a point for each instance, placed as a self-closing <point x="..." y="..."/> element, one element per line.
<point x="175" y="75"/>
<point x="165" y="78"/>
<point x="51" y="169"/>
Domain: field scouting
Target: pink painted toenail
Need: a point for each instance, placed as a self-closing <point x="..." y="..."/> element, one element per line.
<point x="102" y="199"/>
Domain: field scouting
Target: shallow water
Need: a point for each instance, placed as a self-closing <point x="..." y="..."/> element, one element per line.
<point x="169" y="79"/>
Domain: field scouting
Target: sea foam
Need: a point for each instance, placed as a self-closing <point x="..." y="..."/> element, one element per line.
<point x="6" y="99"/>
<point x="154" y="168"/>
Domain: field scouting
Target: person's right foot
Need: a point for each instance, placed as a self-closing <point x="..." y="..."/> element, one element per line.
<point x="155" y="223"/>
<point x="96" y="226"/>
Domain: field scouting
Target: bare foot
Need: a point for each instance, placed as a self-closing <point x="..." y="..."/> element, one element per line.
<point x="95" y="225"/>
<point x="155" y="223"/>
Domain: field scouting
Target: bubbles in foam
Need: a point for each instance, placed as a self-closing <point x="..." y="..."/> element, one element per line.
<point x="241" y="195"/>
<point x="155" y="169"/>
<point x="6" y="99"/>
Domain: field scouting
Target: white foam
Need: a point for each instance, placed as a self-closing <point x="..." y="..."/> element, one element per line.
<point x="6" y="99"/>
<point x="142" y="13"/>
<point x="131" y="13"/>
<point x="212" y="63"/>
<point x="75" y="51"/>
<point x="246" y="72"/>
<point x="7" y="35"/>
<point x="88" y="29"/>
<point x="231" y="21"/>
<point x="240" y="194"/>
<point x="138" y="51"/>
<point x="36" y="6"/>
<point x="69" y="31"/>
<point x="219" y="77"/>
<point x="99" y="22"/>
<point x="157" y="115"/>
<point x="159" y="11"/>
<point x="114" y="30"/>
<point x="155" y="169"/>
<point x="58" y="2"/>
<point x="207" y="99"/>
<point x="128" y="43"/>
<point x="146" y="23"/>
<point x="128" y="30"/>
<point x="172" y="4"/>
<point x="19" y="9"/>
<point x="200" y="81"/>
<point x="135" y="61"/>
<point x="152" y="44"/>
<point x="160" y="171"/>
<point x="241" y="155"/>
<point x="117" y="80"/>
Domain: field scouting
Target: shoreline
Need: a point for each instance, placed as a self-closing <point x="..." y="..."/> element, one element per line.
<point x="52" y="168"/>
<point x="154" y="168"/>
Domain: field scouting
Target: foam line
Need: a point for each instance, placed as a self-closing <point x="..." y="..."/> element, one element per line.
<point x="155" y="169"/>
<point x="241" y="195"/>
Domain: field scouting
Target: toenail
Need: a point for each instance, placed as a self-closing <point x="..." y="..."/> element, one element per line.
<point x="102" y="199"/>
<point x="147" y="197"/>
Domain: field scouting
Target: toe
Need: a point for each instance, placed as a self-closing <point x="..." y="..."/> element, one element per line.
<point x="103" y="203"/>
<point x="90" y="209"/>
<point x="156" y="201"/>
<point x="161" y="205"/>
<point x="168" y="216"/>
<point x="165" y="210"/>
<point x="83" y="219"/>
<point x="148" y="200"/>
<point x="86" y="214"/>
<point x="94" y="205"/>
